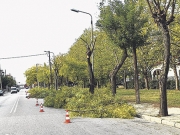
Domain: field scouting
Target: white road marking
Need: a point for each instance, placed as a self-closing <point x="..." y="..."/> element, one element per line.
<point x="15" y="106"/>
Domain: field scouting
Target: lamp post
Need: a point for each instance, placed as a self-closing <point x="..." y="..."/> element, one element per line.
<point x="77" y="11"/>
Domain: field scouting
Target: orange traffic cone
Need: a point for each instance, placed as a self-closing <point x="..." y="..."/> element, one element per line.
<point x="41" y="108"/>
<point x="67" y="120"/>
<point x="37" y="103"/>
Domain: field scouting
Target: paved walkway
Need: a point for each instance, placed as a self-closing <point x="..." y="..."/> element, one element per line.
<point x="149" y="112"/>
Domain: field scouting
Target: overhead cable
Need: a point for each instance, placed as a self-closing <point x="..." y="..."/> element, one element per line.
<point x="22" y="56"/>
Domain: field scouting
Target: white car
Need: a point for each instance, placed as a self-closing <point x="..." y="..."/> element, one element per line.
<point x="13" y="90"/>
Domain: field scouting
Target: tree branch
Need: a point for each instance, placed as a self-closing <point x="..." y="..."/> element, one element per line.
<point x="94" y="44"/>
<point x="85" y="42"/>
<point x="149" y="5"/>
<point x="167" y="7"/>
<point x="171" y="18"/>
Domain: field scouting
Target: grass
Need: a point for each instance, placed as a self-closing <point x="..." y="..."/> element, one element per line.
<point x="150" y="96"/>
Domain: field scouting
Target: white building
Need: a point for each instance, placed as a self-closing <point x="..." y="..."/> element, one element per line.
<point x="156" y="72"/>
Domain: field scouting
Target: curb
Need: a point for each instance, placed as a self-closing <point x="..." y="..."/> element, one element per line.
<point x="161" y="121"/>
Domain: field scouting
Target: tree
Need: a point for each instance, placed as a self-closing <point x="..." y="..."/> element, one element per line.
<point x="104" y="63"/>
<point x="163" y="14"/>
<point x="43" y="75"/>
<point x="89" y="53"/>
<point x="57" y="65"/>
<point x="111" y="21"/>
<point x="31" y="75"/>
<point x="8" y="81"/>
<point x="123" y="24"/>
<point x="175" y="47"/>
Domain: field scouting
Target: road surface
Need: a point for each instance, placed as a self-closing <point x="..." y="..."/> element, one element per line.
<point x="21" y="116"/>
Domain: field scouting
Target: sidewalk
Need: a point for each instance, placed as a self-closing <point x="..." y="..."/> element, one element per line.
<point x="150" y="113"/>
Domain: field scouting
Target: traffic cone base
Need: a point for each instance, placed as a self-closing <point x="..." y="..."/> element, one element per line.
<point x="41" y="109"/>
<point x="67" y="120"/>
<point x="37" y="103"/>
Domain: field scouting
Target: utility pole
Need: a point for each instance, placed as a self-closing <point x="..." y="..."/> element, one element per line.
<point x="37" y="74"/>
<point x="50" y="68"/>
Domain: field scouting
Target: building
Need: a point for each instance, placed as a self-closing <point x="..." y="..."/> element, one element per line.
<point x="156" y="72"/>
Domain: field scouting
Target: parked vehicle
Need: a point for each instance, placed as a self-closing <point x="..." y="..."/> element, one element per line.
<point x="1" y="92"/>
<point x="13" y="90"/>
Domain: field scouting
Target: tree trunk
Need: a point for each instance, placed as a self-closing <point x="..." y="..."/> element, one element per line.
<point x="56" y="79"/>
<point x="113" y="84"/>
<point x="176" y="76"/>
<point x="91" y="80"/>
<point x="146" y="82"/>
<point x="146" y="79"/>
<point x="165" y="69"/>
<point x="125" y="83"/>
<point x="136" y="78"/>
<point x="84" y="83"/>
<point x="91" y="74"/>
<point x="115" y="71"/>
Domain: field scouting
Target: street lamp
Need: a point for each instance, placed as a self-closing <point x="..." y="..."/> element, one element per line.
<point x="77" y="11"/>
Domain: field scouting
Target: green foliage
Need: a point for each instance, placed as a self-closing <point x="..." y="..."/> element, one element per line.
<point x="58" y="99"/>
<point x="31" y="75"/>
<point x="81" y="103"/>
<point x="41" y="92"/>
<point x="100" y="104"/>
<point x="130" y="84"/>
<point x="49" y="101"/>
<point x="171" y="84"/>
<point x="123" y="23"/>
<point x="63" y="96"/>
<point x="7" y="81"/>
<point x="154" y="84"/>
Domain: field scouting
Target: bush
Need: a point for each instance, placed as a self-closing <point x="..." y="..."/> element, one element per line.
<point x="100" y="104"/>
<point x="41" y="92"/>
<point x="171" y="84"/>
<point x="154" y="84"/>
<point x="59" y="99"/>
<point x="49" y="101"/>
<point x="130" y="85"/>
<point x="81" y="103"/>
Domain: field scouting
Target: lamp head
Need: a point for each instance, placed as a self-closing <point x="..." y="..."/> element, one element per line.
<point x="74" y="10"/>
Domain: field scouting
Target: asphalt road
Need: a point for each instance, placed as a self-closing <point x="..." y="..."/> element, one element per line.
<point x="21" y="116"/>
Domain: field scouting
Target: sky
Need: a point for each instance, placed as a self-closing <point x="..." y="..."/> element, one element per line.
<point x="30" y="27"/>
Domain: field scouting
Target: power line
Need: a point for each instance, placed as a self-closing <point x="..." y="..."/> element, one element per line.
<point x="22" y="56"/>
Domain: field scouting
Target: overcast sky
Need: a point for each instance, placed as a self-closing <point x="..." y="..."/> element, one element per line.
<point x="30" y="27"/>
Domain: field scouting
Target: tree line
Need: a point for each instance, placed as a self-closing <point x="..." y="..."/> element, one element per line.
<point x="131" y="38"/>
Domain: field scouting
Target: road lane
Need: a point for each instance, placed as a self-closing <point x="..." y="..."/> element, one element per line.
<point x="13" y="110"/>
<point x="7" y="104"/>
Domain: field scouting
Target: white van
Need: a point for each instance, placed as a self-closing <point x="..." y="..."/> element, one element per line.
<point x="13" y="90"/>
